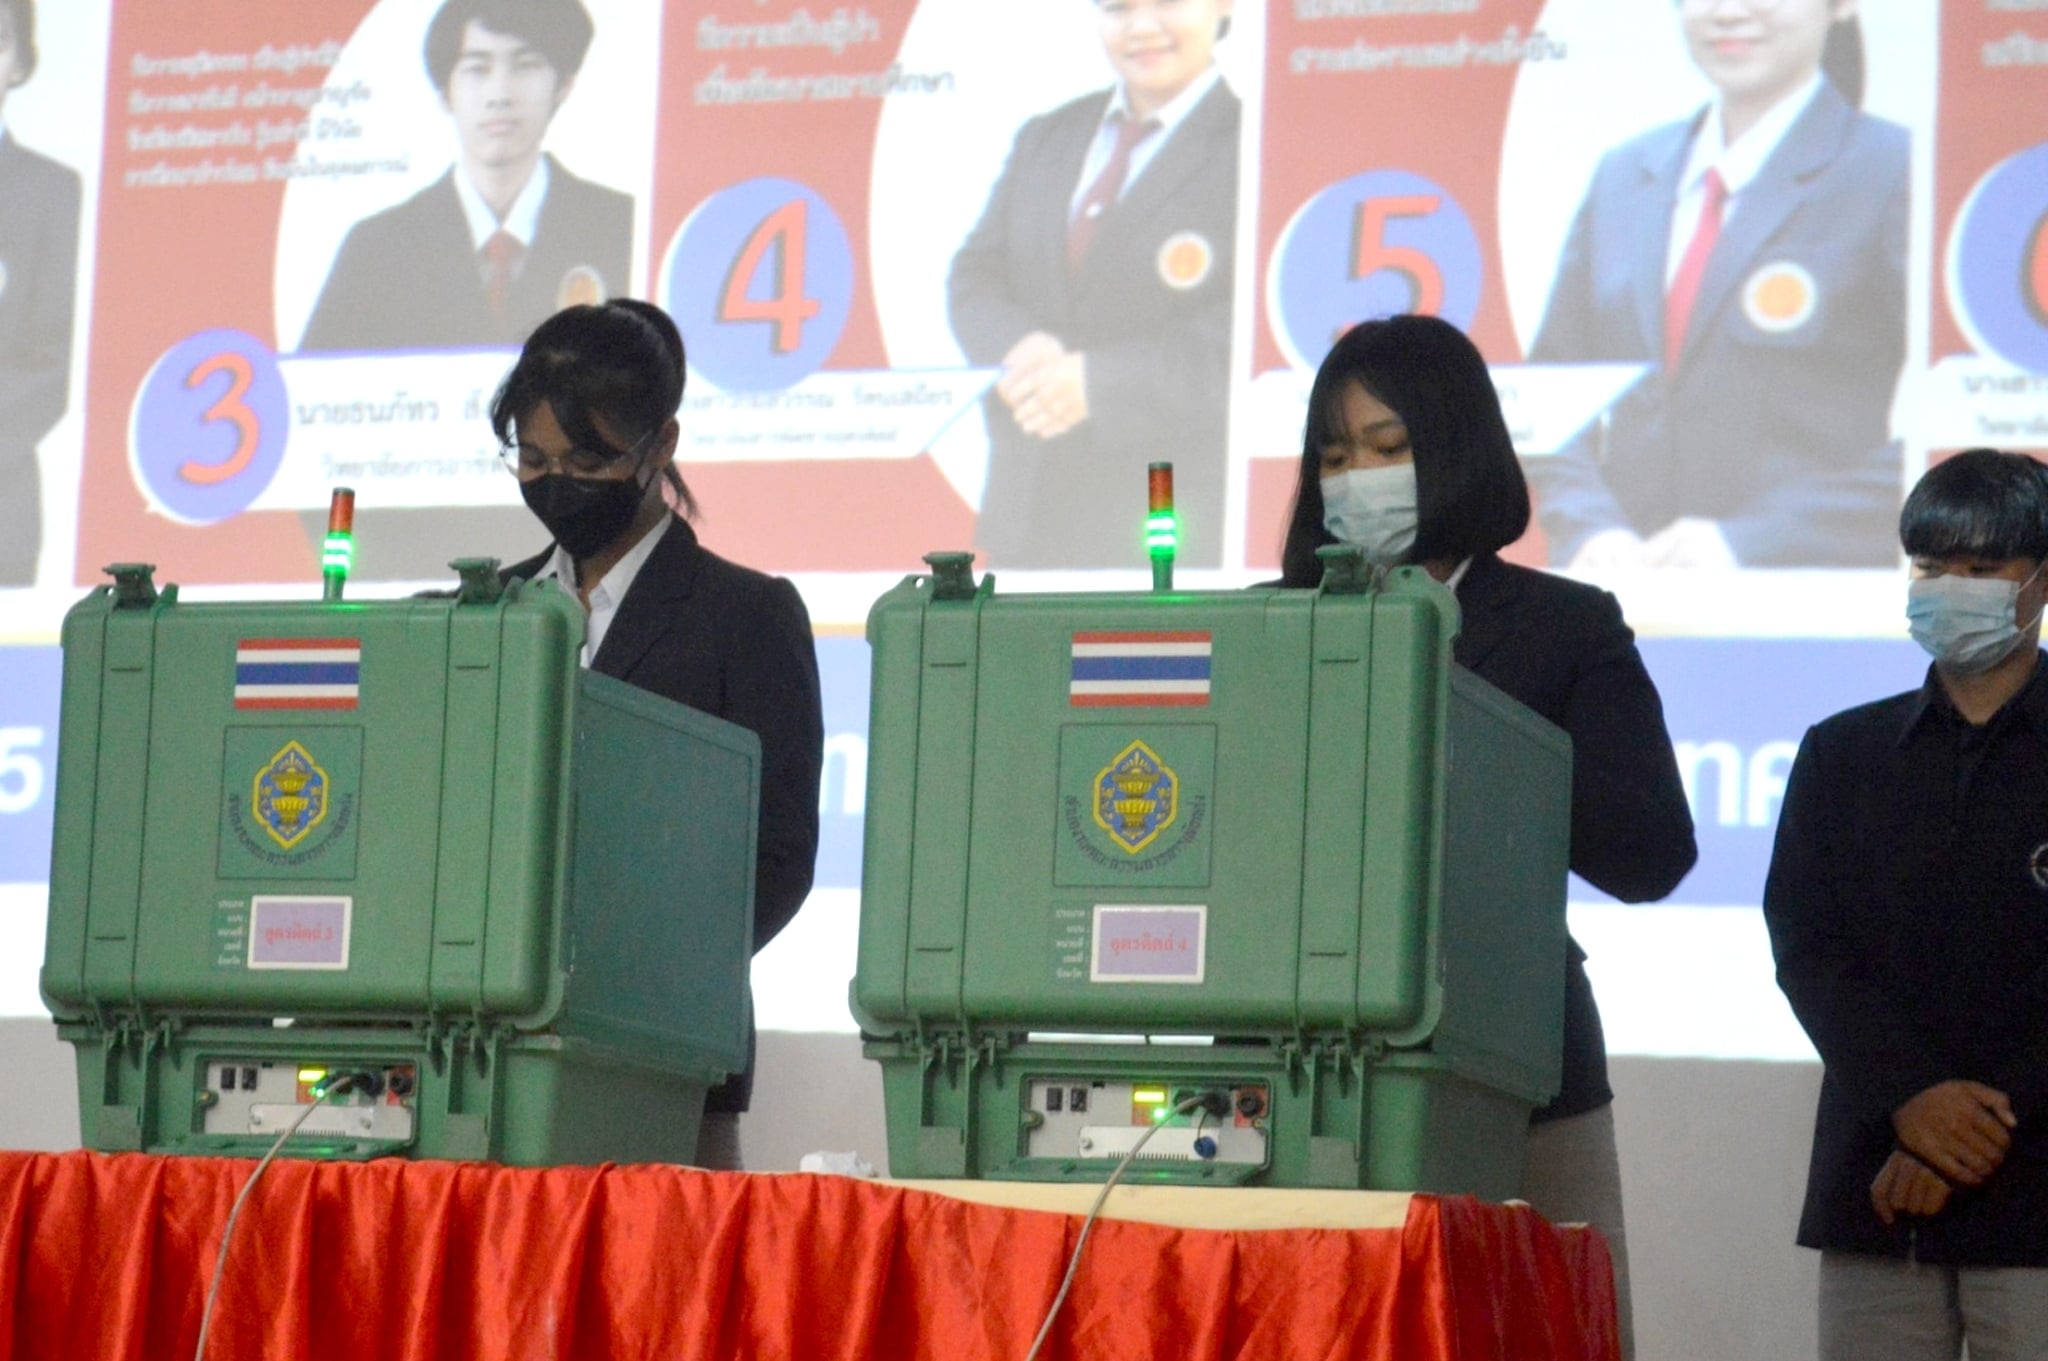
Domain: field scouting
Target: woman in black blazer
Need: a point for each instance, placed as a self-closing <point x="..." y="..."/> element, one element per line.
<point x="587" y="422"/>
<point x="1407" y="454"/>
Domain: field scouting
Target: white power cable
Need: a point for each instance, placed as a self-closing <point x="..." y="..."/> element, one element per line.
<point x="1095" y="1212"/>
<point x="341" y="1084"/>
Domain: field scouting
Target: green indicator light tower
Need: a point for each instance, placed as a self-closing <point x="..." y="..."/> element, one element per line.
<point x="1162" y="526"/>
<point x="338" y="554"/>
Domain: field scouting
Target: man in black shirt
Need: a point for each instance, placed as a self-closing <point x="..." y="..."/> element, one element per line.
<point x="1908" y="910"/>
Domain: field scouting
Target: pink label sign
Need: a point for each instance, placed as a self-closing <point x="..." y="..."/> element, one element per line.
<point x="1149" y="944"/>
<point x="289" y="931"/>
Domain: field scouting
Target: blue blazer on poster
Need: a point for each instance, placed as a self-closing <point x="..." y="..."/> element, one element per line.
<point x="1775" y="420"/>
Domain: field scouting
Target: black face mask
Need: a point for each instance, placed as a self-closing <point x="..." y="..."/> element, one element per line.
<point x="583" y="513"/>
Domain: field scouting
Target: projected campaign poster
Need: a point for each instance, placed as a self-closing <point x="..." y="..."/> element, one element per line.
<point x="1988" y="285"/>
<point x="910" y="328"/>
<point x="862" y="216"/>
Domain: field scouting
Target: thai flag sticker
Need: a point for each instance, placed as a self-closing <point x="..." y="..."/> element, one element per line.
<point x="1140" y="668"/>
<point x="297" y="673"/>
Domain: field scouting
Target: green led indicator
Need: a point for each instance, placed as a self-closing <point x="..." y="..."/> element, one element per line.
<point x="1162" y="526"/>
<point x="1162" y="533"/>
<point x="338" y="551"/>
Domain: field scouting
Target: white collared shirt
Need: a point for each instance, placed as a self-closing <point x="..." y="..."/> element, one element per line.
<point x="606" y="596"/>
<point x="520" y="223"/>
<point x="1739" y="165"/>
<point x="1168" y="118"/>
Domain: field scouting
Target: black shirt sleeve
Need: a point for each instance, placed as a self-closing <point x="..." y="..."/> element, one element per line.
<point x="1879" y="1056"/>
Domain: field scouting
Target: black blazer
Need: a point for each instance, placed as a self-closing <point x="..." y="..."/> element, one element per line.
<point x="736" y="644"/>
<point x="408" y="278"/>
<point x="1150" y="308"/>
<point x="38" y="274"/>
<point x="1562" y="649"/>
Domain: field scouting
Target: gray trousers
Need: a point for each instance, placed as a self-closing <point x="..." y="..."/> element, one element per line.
<point x="1571" y="1174"/>
<point x="1885" y="1309"/>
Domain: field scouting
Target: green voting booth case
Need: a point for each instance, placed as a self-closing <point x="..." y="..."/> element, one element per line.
<point x="1261" y="872"/>
<point x="412" y="842"/>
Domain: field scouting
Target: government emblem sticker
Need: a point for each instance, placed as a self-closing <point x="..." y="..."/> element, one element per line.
<point x="289" y="796"/>
<point x="1137" y="796"/>
<point x="1780" y="297"/>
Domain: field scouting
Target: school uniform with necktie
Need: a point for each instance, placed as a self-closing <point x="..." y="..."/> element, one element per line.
<point x="1113" y="235"/>
<point x="38" y="273"/>
<point x="1764" y="283"/>
<point x="442" y="271"/>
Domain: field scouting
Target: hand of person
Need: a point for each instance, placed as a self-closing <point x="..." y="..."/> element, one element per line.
<point x="1022" y="363"/>
<point x="1960" y="1129"/>
<point x="1609" y="550"/>
<point x="1053" y="398"/>
<point x="1692" y="543"/>
<point x="1905" y="1185"/>
<point x="1044" y="385"/>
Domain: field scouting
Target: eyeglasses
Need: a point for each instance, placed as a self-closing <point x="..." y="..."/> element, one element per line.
<point x="579" y="461"/>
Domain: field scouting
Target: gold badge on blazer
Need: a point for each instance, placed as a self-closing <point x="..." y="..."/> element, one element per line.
<point x="582" y="286"/>
<point x="1185" y="260"/>
<point x="1780" y="297"/>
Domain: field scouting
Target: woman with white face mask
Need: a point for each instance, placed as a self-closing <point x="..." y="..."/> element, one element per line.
<point x="1407" y="455"/>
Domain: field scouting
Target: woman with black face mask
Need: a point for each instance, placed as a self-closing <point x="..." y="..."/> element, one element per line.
<point x="586" y="421"/>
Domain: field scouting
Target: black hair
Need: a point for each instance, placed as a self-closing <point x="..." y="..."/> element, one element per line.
<point x="559" y="30"/>
<point x="1981" y="503"/>
<point x="1222" y="25"/>
<point x="23" y="13"/>
<point x="622" y="360"/>
<point x="1841" y="59"/>
<point x="1470" y="494"/>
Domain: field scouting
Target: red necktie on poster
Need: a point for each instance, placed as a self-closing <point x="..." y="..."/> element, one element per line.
<point x="502" y="251"/>
<point x="1685" y="285"/>
<point x="1102" y="194"/>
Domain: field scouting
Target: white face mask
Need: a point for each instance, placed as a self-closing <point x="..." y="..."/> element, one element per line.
<point x="1373" y="508"/>
<point x="1967" y="624"/>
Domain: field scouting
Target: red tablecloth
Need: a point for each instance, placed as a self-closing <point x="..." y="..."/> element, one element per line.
<point x="109" y="1257"/>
